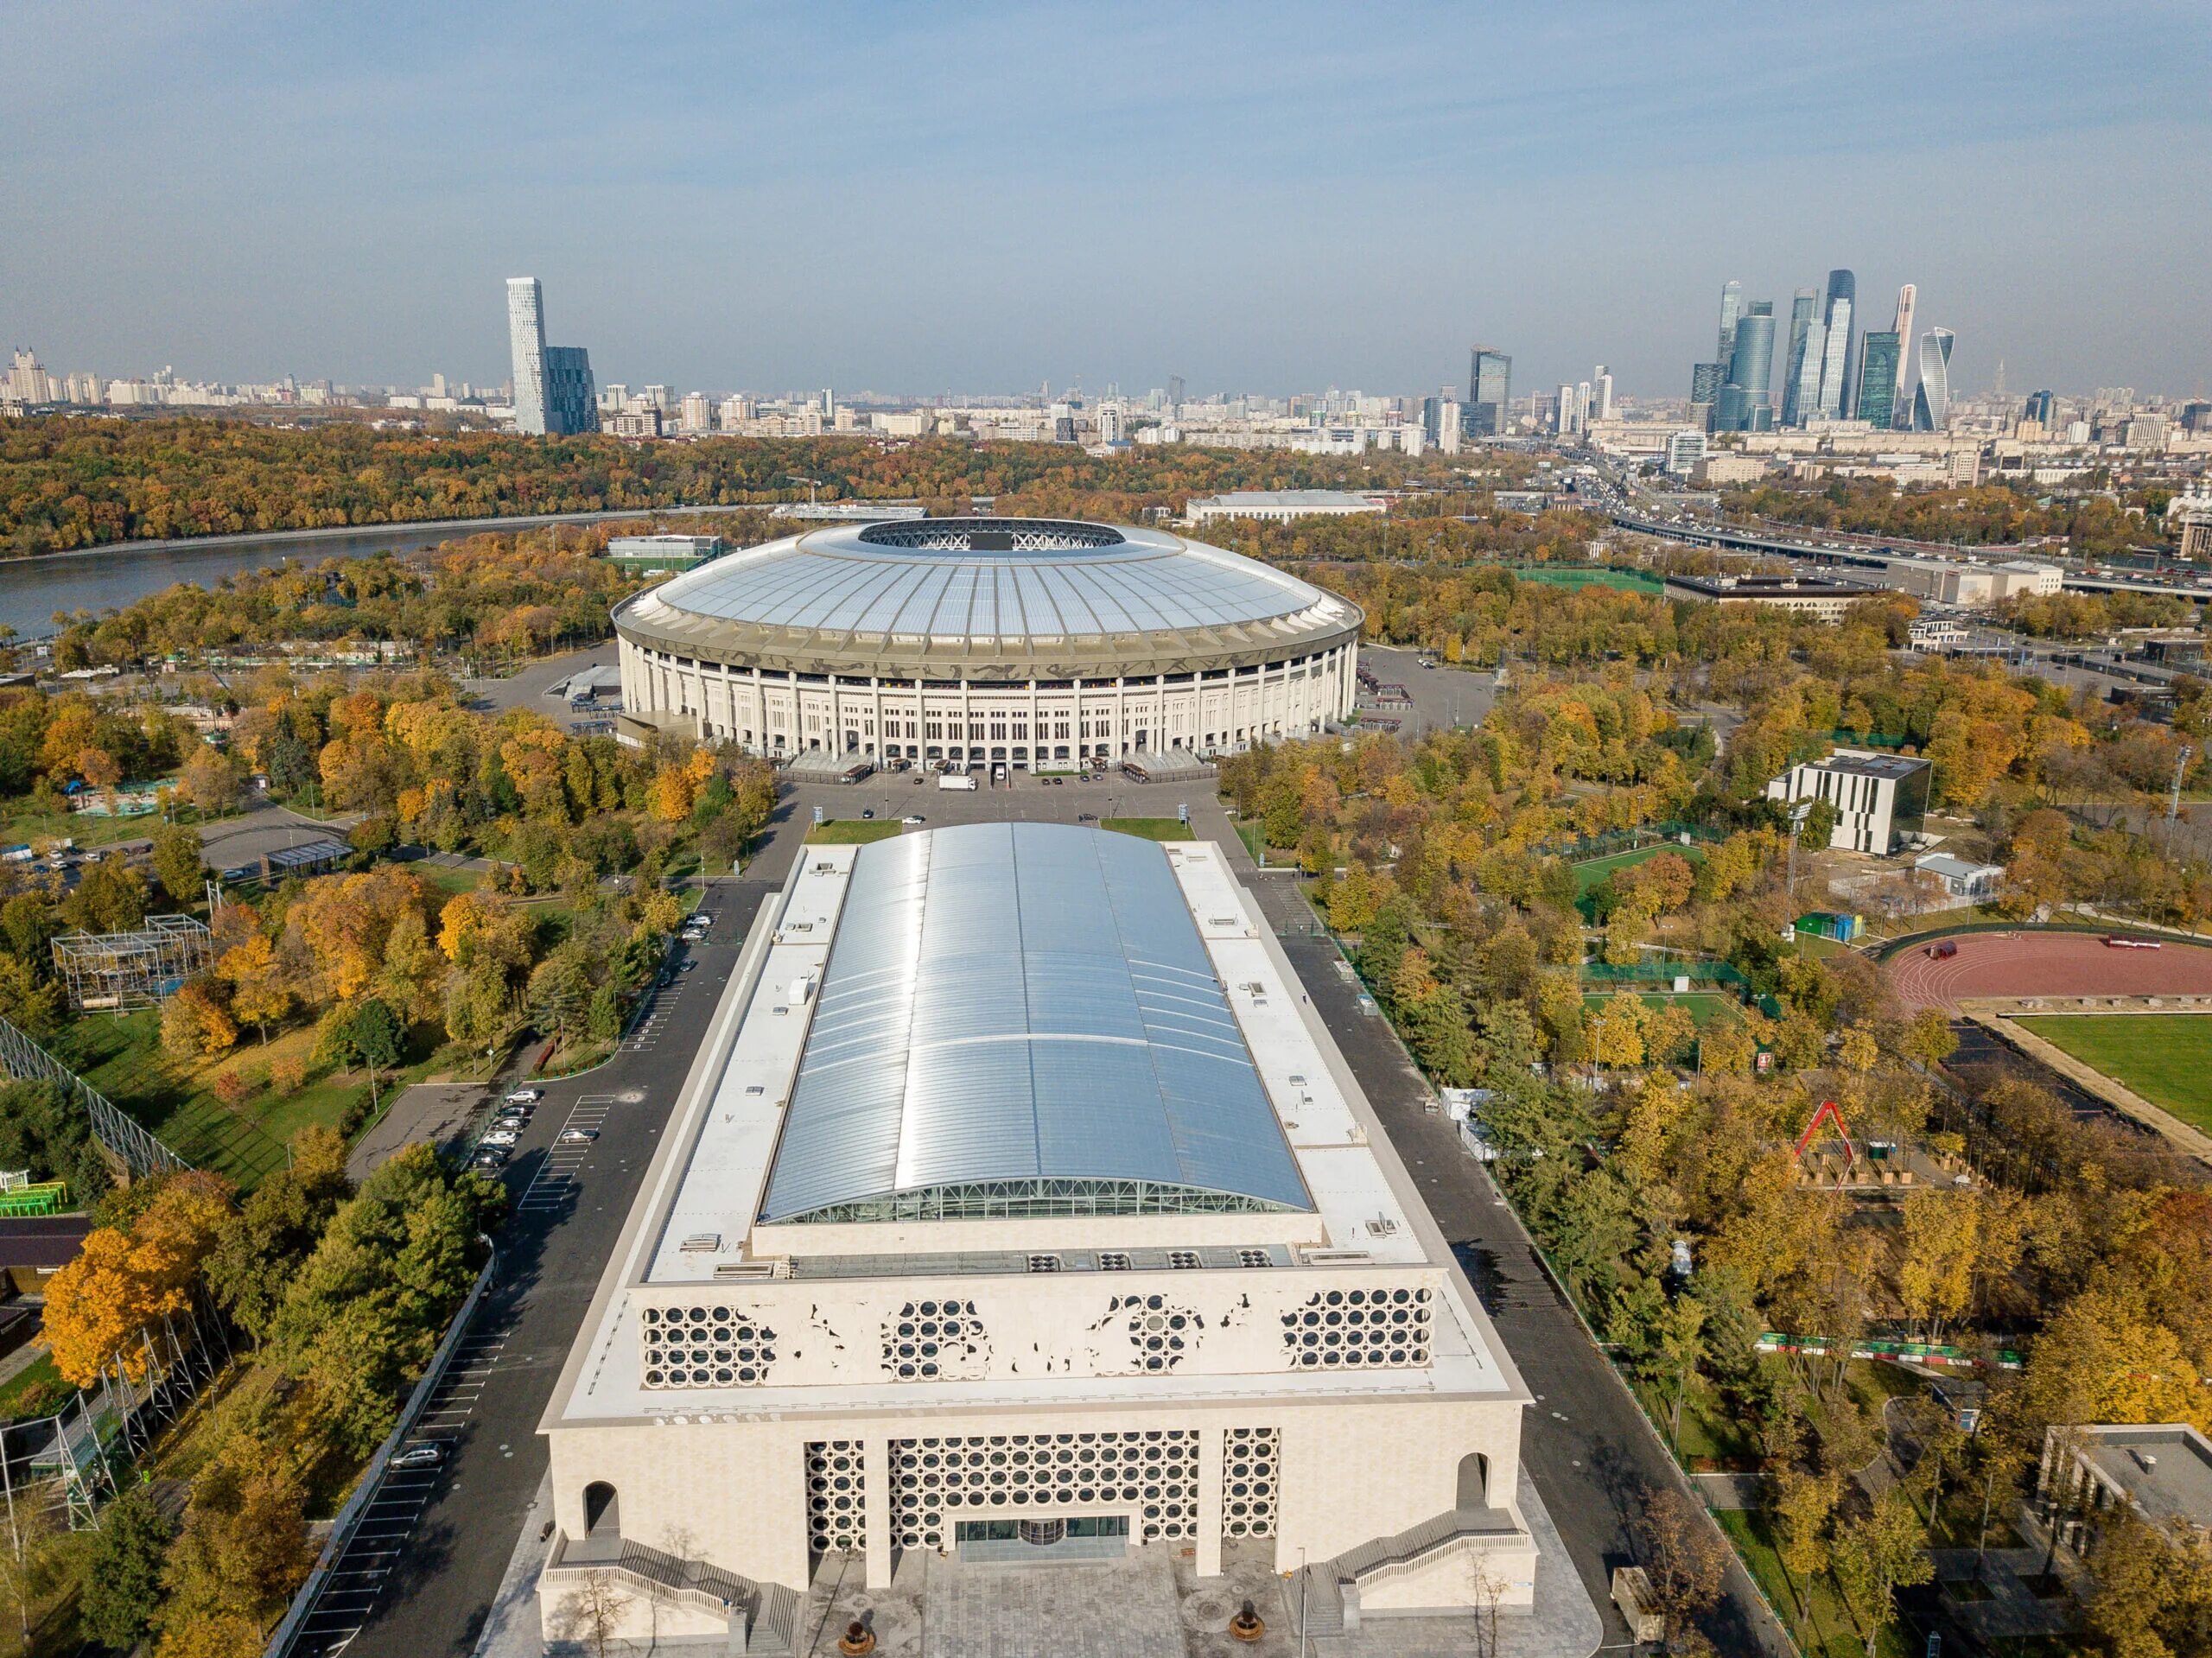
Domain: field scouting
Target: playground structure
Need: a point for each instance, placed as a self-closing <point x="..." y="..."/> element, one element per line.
<point x="20" y="1195"/>
<point x="1866" y="1165"/>
<point x="117" y="972"/>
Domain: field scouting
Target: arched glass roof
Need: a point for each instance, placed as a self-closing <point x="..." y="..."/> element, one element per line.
<point x="1021" y="1019"/>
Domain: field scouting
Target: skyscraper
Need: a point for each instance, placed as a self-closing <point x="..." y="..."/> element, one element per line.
<point x="1744" y="405"/>
<point x="1490" y="388"/>
<point x="1838" y="359"/>
<point x="1800" y="367"/>
<point x="1877" y="378"/>
<point x="1901" y="404"/>
<point x="1732" y="307"/>
<point x="1601" y="385"/>
<point x="1565" y="414"/>
<point x="2042" y="406"/>
<point x="1931" y="399"/>
<point x="526" y="345"/>
<point x="1705" y="384"/>
<point x="553" y="386"/>
<point x="571" y="401"/>
<point x="1174" y="392"/>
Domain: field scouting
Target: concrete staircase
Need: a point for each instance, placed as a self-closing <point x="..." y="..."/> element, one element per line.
<point x="1330" y="1588"/>
<point x="764" y="1617"/>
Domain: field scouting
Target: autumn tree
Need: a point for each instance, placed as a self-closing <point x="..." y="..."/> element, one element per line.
<point x="1877" y="1554"/>
<point x="177" y="863"/>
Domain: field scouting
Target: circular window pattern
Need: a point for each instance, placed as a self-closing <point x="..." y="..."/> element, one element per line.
<point x="1160" y="1335"/>
<point x="705" y="1346"/>
<point x="1156" y="1472"/>
<point x="1363" y="1327"/>
<point x="1248" y="1481"/>
<point x="837" y="1495"/>
<point x="930" y="1340"/>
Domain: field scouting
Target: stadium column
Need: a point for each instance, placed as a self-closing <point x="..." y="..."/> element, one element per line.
<point x="875" y="1503"/>
<point x="1209" y="1539"/>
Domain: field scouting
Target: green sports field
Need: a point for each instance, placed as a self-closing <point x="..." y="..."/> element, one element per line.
<point x="1150" y="829"/>
<point x="2165" y="1058"/>
<point x="1591" y="875"/>
<point x="1703" y="1006"/>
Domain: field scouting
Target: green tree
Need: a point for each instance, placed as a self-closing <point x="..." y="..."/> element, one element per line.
<point x="263" y="1246"/>
<point x="110" y="897"/>
<point x="122" y="1580"/>
<point x="177" y="863"/>
<point x="560" y="989"/>
<point x="378" y="1037"/>
<point x="1877" y="1553"/>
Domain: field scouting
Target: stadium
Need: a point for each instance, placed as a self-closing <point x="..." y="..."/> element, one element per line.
<point x="1031" y="643"/>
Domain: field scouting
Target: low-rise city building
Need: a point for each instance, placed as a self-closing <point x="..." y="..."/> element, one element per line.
<point x="1880" y="800"/>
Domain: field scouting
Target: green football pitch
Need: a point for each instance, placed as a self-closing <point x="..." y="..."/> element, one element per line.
<point x="2165" y="1058"/>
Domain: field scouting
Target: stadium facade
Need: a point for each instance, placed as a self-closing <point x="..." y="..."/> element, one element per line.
<point x="1019" y="1209"/>
<point x="1033" y="644"/>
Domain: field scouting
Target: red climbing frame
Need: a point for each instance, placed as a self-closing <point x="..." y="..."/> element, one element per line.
<point x="1828" y="1113"/>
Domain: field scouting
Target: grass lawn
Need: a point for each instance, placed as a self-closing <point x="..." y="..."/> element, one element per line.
<point x="1705" y="1005"/>
<point x="852" y="831"/>
<point x="444" y="878"/>
<point x="15" y="1393"/>
<point x="2165" y="1058"/>
<point x="1150" y="829"/>
<point x="123" y="1059"/>
<point x="1711" y="1439"/>
<point x="1626" y="581"/>
<point x="1828" y="1632"/>
<point x="1591" y="875"/>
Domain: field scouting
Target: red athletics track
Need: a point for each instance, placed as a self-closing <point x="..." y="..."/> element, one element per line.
<point x="2046" y="964"/>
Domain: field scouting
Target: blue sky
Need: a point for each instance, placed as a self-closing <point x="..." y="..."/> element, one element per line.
<point x="930" y="197"/>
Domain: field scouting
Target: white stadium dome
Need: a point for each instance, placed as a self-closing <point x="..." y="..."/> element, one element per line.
<point x="1031" y="642"/>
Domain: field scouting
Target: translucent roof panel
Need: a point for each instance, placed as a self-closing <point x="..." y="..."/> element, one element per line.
<point x="844" y="583"/>
<point x="1022" y="1002"/>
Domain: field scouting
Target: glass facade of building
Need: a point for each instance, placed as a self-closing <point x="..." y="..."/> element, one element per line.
<point x="1878" y="376"/>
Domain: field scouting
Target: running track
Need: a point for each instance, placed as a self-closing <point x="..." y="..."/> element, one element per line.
<point x="2046" y="964"/>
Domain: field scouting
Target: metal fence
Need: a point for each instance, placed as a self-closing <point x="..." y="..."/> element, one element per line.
<point x="66" y="1465"/>
<point x="140" y="1152"/>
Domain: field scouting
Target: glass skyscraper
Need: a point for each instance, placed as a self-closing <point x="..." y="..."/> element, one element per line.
<point x="2042" y="406"/>
<point x="1732" y="307"/>
<point x="1931" y="400"/>
<point x="1489" y="390"/>
<point x="1800" y="368"/>
<point x="1878" y="376"/>
<point x="1838" y="358"/>
<point x="1744" y="405"/>
<point x="526" y="345"/>
<point x="553" y="384"/>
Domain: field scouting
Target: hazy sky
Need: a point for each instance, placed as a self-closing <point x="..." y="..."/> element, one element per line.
<point x="922" y="197"/>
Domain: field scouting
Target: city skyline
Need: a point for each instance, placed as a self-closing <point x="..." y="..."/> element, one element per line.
<point x="730" y="215"/>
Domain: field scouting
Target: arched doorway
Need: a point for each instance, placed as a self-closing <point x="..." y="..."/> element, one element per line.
<point x="602" y="1513"/>
<point x="1474" y="1481"/>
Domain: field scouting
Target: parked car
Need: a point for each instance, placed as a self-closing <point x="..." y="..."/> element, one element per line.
<point x="687" y="967"/>
<point x="526" y="1096"/>
<point x="490" y="1159"/>
<point x="1086" y="817"/>
<point x="578" y="1136"/>
<point x="868" y="811"/>
<point x="498" y="1137"/>
<point x="912" y="820"/>
<point x="427" y="1454"/>
<point x="514" y="1119"/>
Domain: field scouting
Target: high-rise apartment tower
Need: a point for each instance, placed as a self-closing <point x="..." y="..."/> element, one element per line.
<point x="1839" y="354"/>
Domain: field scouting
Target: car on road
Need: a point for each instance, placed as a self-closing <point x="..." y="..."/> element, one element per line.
<point x="1086" y="817"/>
<point x="498" y="1137"/>
<point x="687" y="967"/>
<point x="429" y="1453"/>
<point x="868" y="811"/>
<point x="911" y="820"/>
<point x="526" y="1096"/>
<point x="578" y="1136"/>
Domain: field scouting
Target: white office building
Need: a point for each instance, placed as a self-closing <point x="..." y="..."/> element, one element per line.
<point x="1879" y="799"/>
<point x="1019" y="1209"/>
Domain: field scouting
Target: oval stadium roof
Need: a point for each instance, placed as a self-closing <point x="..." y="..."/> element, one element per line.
<point x="1013" y="590"/>
<point x="1020" y="1019"/>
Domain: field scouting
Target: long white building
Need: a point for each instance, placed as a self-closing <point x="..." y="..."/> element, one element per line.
<point x="1033" y="644"/>
<point x="1019" y="1209"/>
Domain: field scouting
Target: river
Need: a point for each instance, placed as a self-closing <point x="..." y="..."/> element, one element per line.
<point x="110" y="577"/>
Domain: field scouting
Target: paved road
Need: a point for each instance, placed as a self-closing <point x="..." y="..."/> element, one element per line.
<point x="1587" y="1446"/>
<point x="418" y="1579"/>
<point x="530" y="686"/>
<point x="1443" y="696"/>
